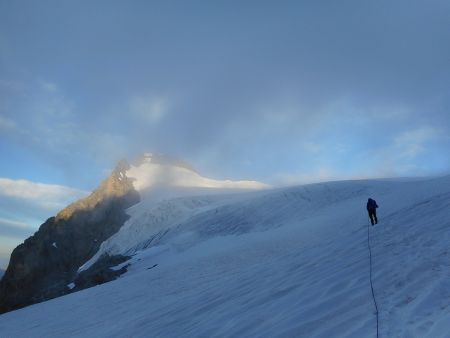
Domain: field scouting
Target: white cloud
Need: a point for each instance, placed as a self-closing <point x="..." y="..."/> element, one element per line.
<point x="48" y="121"/>
<point x="24" y="205"/>
<point x="404" y="155"/>
<point x="14" y="223"/>
<point x="41" y="110"/>
<point x="48" y="196"/>
<point x="15" y="230"/>
<point x="417" y="135"/>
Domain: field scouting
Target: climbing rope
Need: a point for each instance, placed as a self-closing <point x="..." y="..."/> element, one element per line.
<point x="371" y="284"/>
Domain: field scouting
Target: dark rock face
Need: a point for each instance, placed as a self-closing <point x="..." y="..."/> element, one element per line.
<point x="41" y="267"/>
<point x="100" y="272"/>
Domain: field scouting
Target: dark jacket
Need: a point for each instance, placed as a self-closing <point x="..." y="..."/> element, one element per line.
<point x="371" y="205"/>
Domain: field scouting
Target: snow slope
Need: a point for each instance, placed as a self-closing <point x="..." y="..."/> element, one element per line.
<point x="158" y="185"/>
<point x="290" y="262"/>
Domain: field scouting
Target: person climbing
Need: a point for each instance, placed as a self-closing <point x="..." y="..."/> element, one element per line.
<point x="372" y="210"/>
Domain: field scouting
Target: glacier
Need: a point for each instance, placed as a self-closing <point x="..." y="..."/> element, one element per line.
<point x="285" y="262"/>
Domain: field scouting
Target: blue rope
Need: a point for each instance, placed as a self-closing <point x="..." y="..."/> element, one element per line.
<point x="371" y="284"/>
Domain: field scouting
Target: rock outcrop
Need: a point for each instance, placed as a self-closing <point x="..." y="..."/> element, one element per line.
<point x="100" y="272"/>
<point x="42" y="267"/>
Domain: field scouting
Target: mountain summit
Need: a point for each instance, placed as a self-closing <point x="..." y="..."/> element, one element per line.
<point x="46" y="264"/>
<point x="164" y="160"/>
<point x="41" y="267"/>
<point x="161" y="171"/>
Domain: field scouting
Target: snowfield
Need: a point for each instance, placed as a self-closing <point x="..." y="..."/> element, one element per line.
<point x="290" y="262"/>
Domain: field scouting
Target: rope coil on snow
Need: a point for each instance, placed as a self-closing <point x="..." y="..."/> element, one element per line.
<point x="371" y="284"/>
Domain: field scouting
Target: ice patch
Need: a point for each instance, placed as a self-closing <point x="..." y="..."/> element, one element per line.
<point x="120" y="266"/>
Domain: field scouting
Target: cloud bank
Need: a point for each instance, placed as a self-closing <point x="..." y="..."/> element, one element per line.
<point x="25" y="205"/>
<point x="243" y="91"/>
<point x="46" y="197"/>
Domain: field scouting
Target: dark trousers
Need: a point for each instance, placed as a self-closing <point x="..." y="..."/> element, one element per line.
<point x="373" y="216"/>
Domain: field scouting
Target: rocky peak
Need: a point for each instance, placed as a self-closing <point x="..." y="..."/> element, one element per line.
<point x="116" y="185"/>
<point x="41" y="267"/>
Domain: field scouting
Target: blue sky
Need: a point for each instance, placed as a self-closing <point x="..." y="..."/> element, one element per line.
<point x="283" y="92"/>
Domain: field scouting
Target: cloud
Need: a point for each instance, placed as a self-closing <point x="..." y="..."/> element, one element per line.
<point x="241" y="99"/>
<point x="47" y="122"/>
<point x="12" y="233"/>
<point x="46" y="196"/>
<point x="14" y="229"/>
<point x="240" y="94"/>
<point x="411" y="152"/>
<point x="411" y="143"/>
<point x="37" y="110"/>
<point x="24" y="202"/>
<point x="24" y="205"/>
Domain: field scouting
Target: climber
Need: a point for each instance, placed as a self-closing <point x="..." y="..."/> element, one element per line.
<point x="372" y="210"/>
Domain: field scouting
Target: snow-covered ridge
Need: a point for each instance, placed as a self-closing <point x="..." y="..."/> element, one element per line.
<point x="166" y="187"/>
<point x="149" y="174"/>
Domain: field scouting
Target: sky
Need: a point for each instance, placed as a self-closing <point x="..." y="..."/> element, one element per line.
<point x="283" y="92"/>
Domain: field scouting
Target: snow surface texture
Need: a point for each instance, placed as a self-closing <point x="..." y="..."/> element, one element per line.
<point x="281" y="263"/>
